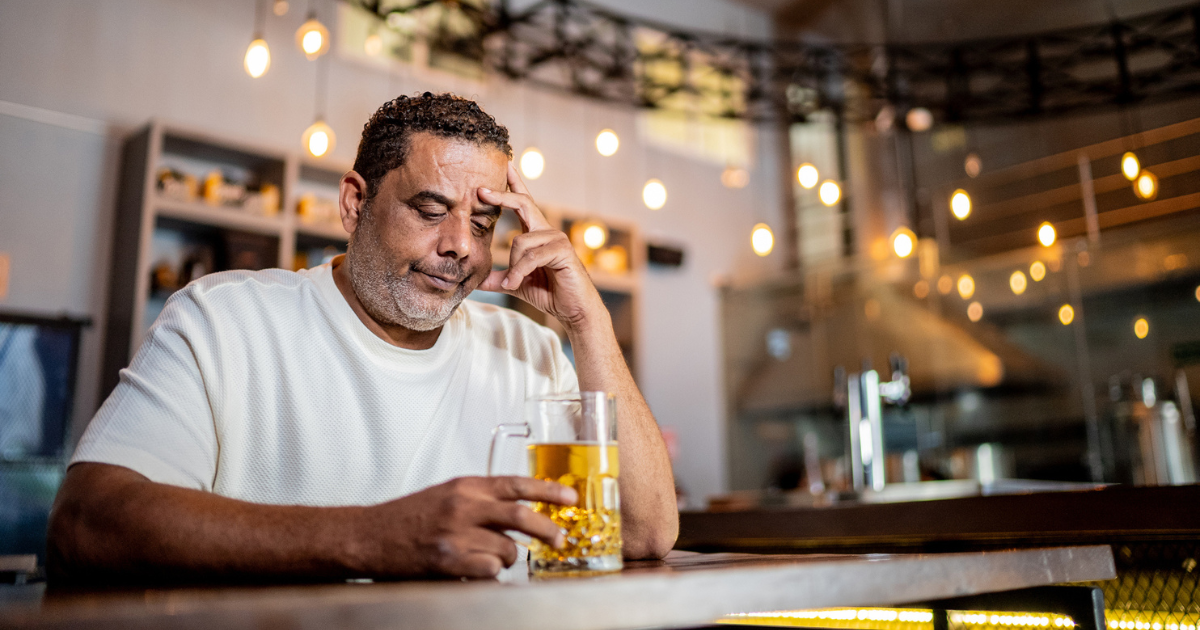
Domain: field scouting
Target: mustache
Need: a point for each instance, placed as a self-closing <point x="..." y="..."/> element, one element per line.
<point x="447" y="269"/>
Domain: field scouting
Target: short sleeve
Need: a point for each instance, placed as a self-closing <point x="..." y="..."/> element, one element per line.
<point x="159" y="421"/>
<point x="565" y="379"/>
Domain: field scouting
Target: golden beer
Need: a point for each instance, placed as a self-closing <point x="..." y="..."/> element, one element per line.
<point x="592" y="527"/>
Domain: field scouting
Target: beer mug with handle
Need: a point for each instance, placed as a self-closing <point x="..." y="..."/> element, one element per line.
<point x="572" y="439"/>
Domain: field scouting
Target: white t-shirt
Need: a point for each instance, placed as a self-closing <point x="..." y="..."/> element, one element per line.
<point x="266" y="387"/>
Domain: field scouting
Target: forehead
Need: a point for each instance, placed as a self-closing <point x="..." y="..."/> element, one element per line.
<point x="449" y="166"/>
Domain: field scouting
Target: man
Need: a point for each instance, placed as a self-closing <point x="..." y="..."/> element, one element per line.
<point x="332" y="423"/>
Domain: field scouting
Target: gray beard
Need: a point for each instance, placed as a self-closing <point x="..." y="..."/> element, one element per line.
<point x="394" y="299"/>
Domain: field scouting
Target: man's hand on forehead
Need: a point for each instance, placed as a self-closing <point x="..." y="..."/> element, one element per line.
<point x="543" y="267"/>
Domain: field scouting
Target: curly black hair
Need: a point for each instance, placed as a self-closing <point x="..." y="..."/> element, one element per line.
<point x="385" y="137"/>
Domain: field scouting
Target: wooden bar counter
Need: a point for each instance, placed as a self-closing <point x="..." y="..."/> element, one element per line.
<point x="685" y="590"/>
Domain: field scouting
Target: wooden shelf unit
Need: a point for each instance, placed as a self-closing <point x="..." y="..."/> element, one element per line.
<point x="142" y="211"/>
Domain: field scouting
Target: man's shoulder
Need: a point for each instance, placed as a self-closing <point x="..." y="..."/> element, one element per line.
<point x="240" y="292"/>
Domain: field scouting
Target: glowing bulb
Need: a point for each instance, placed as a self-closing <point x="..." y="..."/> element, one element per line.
<point x="966" y="286"/>
<point x="919" y="119"/>
<point x="807" y="175"/>
<point x="973" y="165"/>
<point x="319" y="139"/>
<point x="1141" y="328"/>
<point x="1017" y="282"/>
<point x="1037" y="270"/>
<point x="1046" y="234"/>
<point x="762" y="240"/>
<point x="830" y="192"/>
<point x="945" y="285"/>
<point x="975" y="311"/>
<point x="960" y="204"/>
<point x="373" y="45"/>
<point x="1198" y="293"/>
<point x="280" y="8"/>
<point x="607" y="142"/>
<point x="921" y="289"/>
<point x="735" y="177"/>
<point x="1146" y="186"/>
<point x="313" y="38"/>
<point x="594" y="236"/>
<point x="532" y="163"/>
<point x="258" y="58"/>
<point x="903" y="242"/>
<point x="1130" y="166"/>
<point x="654" y="194"/>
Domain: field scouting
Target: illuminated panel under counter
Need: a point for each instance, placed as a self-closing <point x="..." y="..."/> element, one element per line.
<point x="922" y="619"/>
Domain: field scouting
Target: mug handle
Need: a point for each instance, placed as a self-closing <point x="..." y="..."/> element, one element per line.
<point x="501" y="432"/>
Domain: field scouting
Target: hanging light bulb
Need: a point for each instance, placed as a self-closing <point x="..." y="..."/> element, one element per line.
<point x="762" y="240"/>
<point x="903" y="242"/>
<point x="973" y="165"/>
<point x="830" y="192"/>
<point x="1046" y="234"/>
<point x="1017" y="282"/>
<point x="258" y="58"/>
<point x="312" y="37"/>
<point x="373" y="45"/>
<point x="607" y="142"/>
<point x="1146" y="186"/>
<point x="975" y="311"/>
<point x="532" y="163"/>
<point x="960" y="204"/>
<point x="280" y="8"/>
<point x="1037" y="270"/>
<point x="966" y="286"/>
<point x="1066" y="314"/>
<point x="595" y="235"/>
<point x="1141" y="328"/>
<point x="654" y="194"/>
<point x="1130" y="166"/>
<point x="807" y="175"/>
<point x="735" y="177"/>
<point x="319" y="139"/>
<point x="919" y="119"/>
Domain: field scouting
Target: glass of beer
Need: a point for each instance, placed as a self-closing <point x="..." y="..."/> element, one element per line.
<point x="572" y="439"/>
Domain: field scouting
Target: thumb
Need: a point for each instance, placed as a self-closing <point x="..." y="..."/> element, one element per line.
<point x="492" y="282"/>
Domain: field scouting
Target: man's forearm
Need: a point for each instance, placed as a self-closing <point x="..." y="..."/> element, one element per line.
<point x="111" y="523"/>
<point x="649" y="516"/>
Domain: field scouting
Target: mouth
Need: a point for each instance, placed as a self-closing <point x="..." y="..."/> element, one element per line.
<point x="440" y="282"/>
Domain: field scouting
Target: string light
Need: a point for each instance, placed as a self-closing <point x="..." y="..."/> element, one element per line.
<point x="1066" y="314"/>
<point x="1046" y="234"/>
<point x="903" y="242"/>
<point x="921" y="289"/>
<point x="319" y="139"/>
<point x="1130" y="166"/>
<point x="1146" y="186"/>
<point x="807" y="175"/>
<point x="258" y="58"/>
<point x="312" y="37"/>
<point x="1037" y="270"/>
<point x="280" y="8"/>
<point x="919" y="119"/>
<point x="607" y="142"/>
<point x="945" y="285"/>
<point x="1017" y="282"/>
<point x="1198" y="293"/>
<point x="975" y="311"/>
<point x="966" y="286"/>
<point x="960" y="204"/>
<point x="1141" y="328"/>
<point x="532" y="163"/>
<point x="654" y="194"/>
<point x="830" y="192"/>
<point x="762" y="240"/>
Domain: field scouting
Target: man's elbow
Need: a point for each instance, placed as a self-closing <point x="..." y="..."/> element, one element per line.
<point x="654" y="543"/>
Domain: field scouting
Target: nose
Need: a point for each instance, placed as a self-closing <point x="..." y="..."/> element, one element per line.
<point x="454" y="237"/>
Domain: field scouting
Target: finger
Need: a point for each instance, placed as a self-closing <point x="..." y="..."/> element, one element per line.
<point x="473" y="565"/>
<point x="552" y="256"/>
<point x="531" y="217"/>
<point x="492" y="282"/>
<point x="515" y="183"/>
<point x="530" y="489"/>
<point x="492" y="543"/>
<point x="529" y="240"/>
<point x="507" y="515"/>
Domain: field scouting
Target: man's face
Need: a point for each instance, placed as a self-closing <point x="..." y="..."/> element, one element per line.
<point x="424" y="242"/>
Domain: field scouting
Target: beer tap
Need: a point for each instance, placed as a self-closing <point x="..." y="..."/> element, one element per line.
<point x="864" y="396"/>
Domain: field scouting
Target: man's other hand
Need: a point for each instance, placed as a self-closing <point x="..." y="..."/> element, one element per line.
<point x="457" y="528"/>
